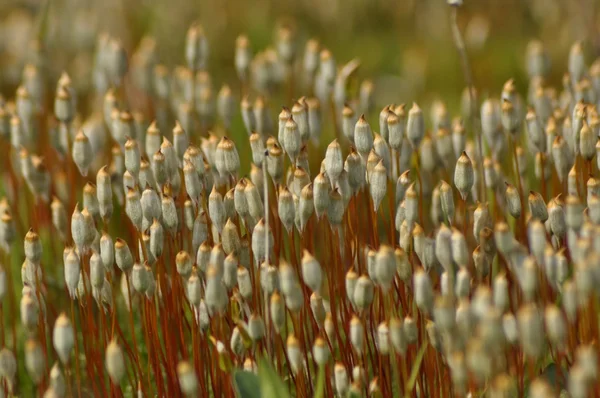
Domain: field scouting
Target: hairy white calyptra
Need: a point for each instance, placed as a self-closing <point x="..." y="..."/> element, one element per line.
<point x="63" y="338"/>
<point x="115" y="362"/>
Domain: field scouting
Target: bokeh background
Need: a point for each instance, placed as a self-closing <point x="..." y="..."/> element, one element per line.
<point x="405" y="46"/>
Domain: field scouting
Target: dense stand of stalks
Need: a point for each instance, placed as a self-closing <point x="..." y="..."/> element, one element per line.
<point x="431" y="258"/>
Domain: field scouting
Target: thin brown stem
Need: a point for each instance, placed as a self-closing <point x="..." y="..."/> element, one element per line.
<point x="420" y="180"/>
<point x="468" y="75"/>
<point x="517" y="174"/>
<point x="132" y="327"/>
<point x="543" y="174"/>
<point x="77" y="373"/>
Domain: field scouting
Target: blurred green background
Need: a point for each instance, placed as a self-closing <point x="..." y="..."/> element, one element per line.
<point x="404" y="45"/>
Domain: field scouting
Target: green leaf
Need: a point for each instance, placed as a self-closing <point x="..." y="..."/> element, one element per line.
<point x="554" y="375"/>
<point x="225" y="363"/>
<point x="320" y="389"/>
<point x="246" y="384"/>
<point x="414" y="372"/>
<point x="271" y="385"/>
<point x="245" y="335"/>
<point x="235" y="310"/>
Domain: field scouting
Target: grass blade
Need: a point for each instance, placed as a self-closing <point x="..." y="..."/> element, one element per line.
<point x="320" y="389"/>
<point x="271" y="384"/>
<point x="246" y="384"/>
<point x="414" y="372"/>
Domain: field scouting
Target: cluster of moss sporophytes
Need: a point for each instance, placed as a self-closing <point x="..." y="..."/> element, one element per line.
<point x="205" y="237"/>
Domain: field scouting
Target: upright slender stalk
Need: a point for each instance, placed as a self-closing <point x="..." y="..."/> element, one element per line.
<point x="517" y="172"/>
<point x="420" y="180"/>
<point x="543" y="174"/>
<point x="77" y="372"/>
<point x="132" y="327"/>
<point x="462" y="51"/>
<point x="267" y="313"/>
